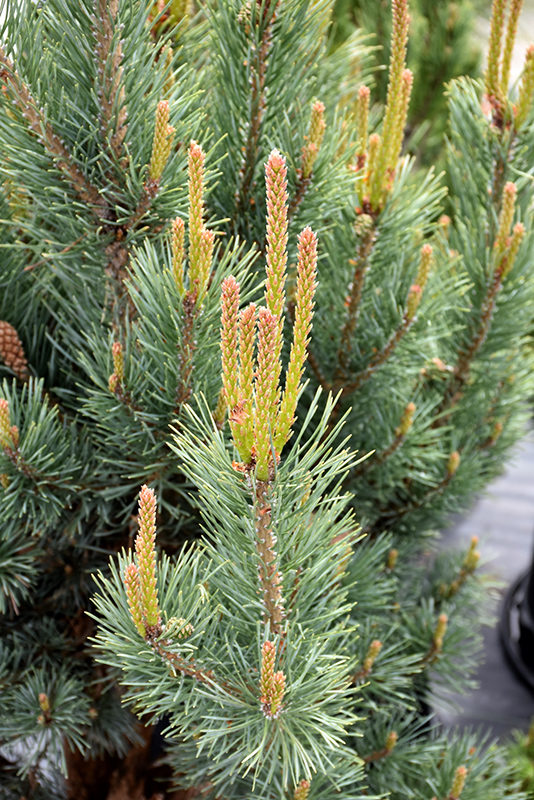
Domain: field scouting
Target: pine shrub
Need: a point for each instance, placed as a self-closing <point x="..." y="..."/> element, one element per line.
<point x="183" y="198"/>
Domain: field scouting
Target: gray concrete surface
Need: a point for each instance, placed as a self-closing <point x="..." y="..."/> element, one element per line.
<point x="503" y="520"/>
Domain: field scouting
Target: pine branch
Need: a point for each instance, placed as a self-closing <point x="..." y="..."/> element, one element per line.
<point x="187" y="352"/>
<point x="264" y="13"/>
<point x="310" y="151"/>
<point x="111" y="93"/>
<point x="377" y="755"/>
<point x="391" y="511"/>
<point x="353" y="307"/>
<point x="56" y="148"/>
<point x="400" y="435"/>
<point x="270" y="577"/>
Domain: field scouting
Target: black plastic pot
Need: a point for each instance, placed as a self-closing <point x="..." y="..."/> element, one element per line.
<point x="517" y="627"/>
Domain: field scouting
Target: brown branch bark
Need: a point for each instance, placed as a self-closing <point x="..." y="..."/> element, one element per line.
<point x="258" y="71"/>
<point x="377" y="360"/>
<point x="377" y="755"/>
<point x="462" y="370"/>
<point x="187" y="350"/>
<point x="269" y="575"/>
<point x="353" y="308"/>
<point x="88" y="193"/>
<point x="387" y="514"/>
<point x="301" y="188"/>
<point x="379" y="458"/>
<point x="113" y="113"/>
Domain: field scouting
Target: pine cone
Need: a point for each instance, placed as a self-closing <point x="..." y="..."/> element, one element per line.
<point x="12" y="351"/>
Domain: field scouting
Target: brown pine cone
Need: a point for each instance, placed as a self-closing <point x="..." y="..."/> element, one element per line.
<point x="12" y="351"/>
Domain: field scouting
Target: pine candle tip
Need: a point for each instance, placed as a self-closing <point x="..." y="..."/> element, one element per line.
<point x="453" y="463"/>
<point x="364" y="92"/>
<point x="229" y="285"/>
<point x="427" y="250"/>
<point x="44" y="703"/>
<point x="307" y="237"/>
<point x="196" y="151"/>
<point x="391" y="741"/>
<point x="318" y="107"/>
<point x="147" y="497"/>
<point x="406" y="421"/>
<point x="276" y="160"/>
<point x="510" y="188"/>
<point x="458" y="783"/>
<point x="393" y="556"/>
<point x="374" y="649"/>
<point x="301" y="791"/>
<point x="440" y="631"/>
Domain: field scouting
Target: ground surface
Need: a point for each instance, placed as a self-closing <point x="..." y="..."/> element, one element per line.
<point x="504" y="521"/>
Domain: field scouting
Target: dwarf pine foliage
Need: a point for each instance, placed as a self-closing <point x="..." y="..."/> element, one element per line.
<point x="222" y="282"/>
